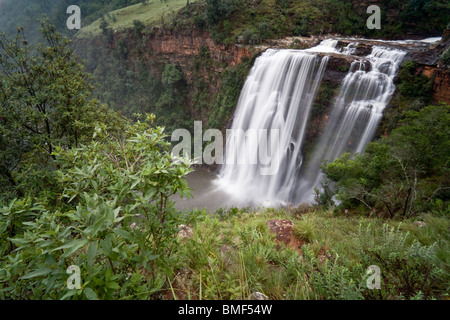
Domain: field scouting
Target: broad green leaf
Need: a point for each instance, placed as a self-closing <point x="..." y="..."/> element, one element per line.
<point x="123" y="233"/>
<point x="107" y="245"/>
<point x="72" y="247"/>
<point x="69" y="294"/>
<point x="92" y="251"/>
<point x="90" y="294"/>
<point x="37" y="273"/>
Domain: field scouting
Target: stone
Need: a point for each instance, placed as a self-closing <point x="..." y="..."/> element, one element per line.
<point x="185" y="232"/>
<point x="258" y="296"/>
<point x="420" y="224"/>
<point x="283" y="229"/>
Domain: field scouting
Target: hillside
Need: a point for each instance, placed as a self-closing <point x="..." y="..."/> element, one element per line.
<point x="151" y="13"/>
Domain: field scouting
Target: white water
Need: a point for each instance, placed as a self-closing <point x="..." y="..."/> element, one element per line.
<point x="355" y="116"/>
<point x="326" y="46"/>
<point x="278" y="94"/>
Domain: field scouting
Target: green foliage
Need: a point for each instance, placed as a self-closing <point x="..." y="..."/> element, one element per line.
<point x="226" y="100"/>
<point x="407" y="269"/>
<point x="412" y="85"/>
<point x="248" y="37"/>
<point x="115" y="221"/>
<point x="400" y="174"/>
<point x="332" y="279"/>
<point x="218" y="9"/>
<point x="131" y="83"/>
<point x="232" y="253"/>
<point x="23" y="13"/>
<point x="445" y="57"/>
<point x="45" y="100"/>
<point x="138" y="27"/>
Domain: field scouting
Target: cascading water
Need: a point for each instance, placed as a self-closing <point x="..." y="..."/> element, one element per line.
<point x="355" y="115"/>
<point x="278" y="94"/>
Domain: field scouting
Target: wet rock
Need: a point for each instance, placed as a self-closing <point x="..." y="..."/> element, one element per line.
<point x="426" y="57"/>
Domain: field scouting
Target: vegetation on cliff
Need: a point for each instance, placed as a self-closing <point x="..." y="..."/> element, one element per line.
<point x="82" y="186"/>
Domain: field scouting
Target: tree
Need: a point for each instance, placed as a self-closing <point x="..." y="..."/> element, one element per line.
<point x="114" y="220"/>
<point x="401" y="174"/>
<point x="45" y="100"/>
<point x="170" y="103"/>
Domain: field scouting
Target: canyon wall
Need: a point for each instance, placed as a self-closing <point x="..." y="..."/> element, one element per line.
<point x="201" y="59"/>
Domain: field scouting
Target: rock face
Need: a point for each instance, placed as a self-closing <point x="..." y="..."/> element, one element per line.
<point x="431" y="67"/>
<point x="441" y="86"/>
<point x="180" y="46"/>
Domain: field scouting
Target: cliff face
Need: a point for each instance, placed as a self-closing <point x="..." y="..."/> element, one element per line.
<point x="431" y="67"/>
<point x="441" y="86"/>
<point x="202" y="60"/>
<point x="181" y="47"/>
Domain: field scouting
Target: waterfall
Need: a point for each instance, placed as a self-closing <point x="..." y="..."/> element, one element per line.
<point x="355" y="115"/>
<point x="277" y="97"/>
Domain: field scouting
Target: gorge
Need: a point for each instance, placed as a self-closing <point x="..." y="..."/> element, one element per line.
<point x="279" y="93"/>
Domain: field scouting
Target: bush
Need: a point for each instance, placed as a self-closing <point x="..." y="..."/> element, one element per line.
<point x="408" y="270"/>
<point x="445" y="57"/>
<point x="398" y="175"/>
<point x="412" y="85"/>
<point x="138" y="27"/>
<point x="114" y="220"/>
<point x="248" y="37"/>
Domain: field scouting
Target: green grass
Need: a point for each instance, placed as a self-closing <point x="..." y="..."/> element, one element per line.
<point x="233" y="254"/>
<point x="151" y="13"/>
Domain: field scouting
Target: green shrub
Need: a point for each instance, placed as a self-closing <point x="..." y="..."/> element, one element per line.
<point x="412" y="85"/>
<point x="408" y="270"/>
<point x="114" y="221"/>
<point x="445" y="57"/>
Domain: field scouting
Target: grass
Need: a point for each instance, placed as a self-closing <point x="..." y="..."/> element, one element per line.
<point x="152" y="13"/>
<point x="231" y="256"/>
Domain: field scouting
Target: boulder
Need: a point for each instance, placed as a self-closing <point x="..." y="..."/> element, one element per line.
<point x="283" y="229"/>
<point x="258" y="296"/>
<point x="185" y="232"/>
<point x="420" y="224"/>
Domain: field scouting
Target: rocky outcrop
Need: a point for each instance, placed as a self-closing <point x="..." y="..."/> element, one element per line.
<point x="431" y="67"/>
<point x="441" y="86"/>
<point x="283" y="229"/>
<point x="181" y="46"/>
